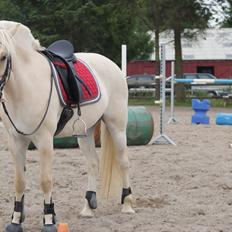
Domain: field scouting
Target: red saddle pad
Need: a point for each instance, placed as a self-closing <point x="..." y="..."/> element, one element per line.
<point x="85" y="73"/>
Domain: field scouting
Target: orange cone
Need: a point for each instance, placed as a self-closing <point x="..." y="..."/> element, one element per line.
<point x="63" y="227"/>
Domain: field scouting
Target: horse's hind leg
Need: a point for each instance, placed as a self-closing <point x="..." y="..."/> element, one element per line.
<point x="18" y="148"/>
<point x="116" y="125"/>
<point x="87" y="146"/>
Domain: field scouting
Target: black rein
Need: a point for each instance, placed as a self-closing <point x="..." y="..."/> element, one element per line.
<point x="6" y="75"/>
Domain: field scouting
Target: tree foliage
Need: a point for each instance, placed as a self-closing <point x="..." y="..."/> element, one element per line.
<point x="182" y="15"/>
<point x="227" y="8"/>
<point x="91" y="25"/>
<point x="103" y="25"/>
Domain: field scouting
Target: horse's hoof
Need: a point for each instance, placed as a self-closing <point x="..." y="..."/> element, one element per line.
<point x="127" y="206"/>
<point x="49" y="228"/>
<point x="14" y="228"/>
<point x="87" y="212"/>
<point x="127" y="209"/>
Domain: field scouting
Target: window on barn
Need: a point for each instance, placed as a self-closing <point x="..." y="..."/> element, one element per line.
<point x="228" y="56"/>
<point x="205" y="69"/>
<point x="188" y="57"/>
<point x="227" y="44"/>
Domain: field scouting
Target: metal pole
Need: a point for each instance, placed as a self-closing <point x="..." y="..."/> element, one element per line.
<point x="163" y="79"/>
<point x="162" y="138"/>
<point x="172" y="117"/>
<point x="124" y="60"/>
<point x="162" y="87"/>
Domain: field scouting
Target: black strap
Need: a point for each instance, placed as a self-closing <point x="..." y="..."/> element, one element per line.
<point x="65" y="116"/>
<point x="72" y="78"/>
<point x="125" y="192"/>
<point x="6" y="75"/>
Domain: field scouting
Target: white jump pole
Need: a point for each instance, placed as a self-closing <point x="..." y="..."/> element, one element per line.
<point x="162" y="138"/>
<point x="124" y="60"/>
<point x="172" y="117"/>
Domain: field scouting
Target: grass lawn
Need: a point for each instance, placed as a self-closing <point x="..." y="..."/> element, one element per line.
<point x="150" y="101"/>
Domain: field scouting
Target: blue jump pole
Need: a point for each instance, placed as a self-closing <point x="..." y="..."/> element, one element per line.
<point x="205" y="81"/>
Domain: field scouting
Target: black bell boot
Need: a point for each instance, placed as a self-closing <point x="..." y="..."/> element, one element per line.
<point x="15" y="225"/>
<point x="49" y="226"/>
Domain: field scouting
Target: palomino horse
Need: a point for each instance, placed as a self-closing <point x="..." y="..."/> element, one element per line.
<point x="33" y="111"/>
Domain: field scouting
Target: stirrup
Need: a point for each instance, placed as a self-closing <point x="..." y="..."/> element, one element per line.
<point x="85" y="128"/>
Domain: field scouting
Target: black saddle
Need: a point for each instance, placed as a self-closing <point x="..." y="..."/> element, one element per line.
<point x="63" y="48"/>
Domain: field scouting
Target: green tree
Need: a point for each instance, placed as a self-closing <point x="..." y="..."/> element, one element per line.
<point x="181" y="15"/>
<point x="153" y="19"/>
<point x="151" y="14"/>
<point x="92" y="25"/>
<point x="227" y="9"/>
<point x="13" y="14"/>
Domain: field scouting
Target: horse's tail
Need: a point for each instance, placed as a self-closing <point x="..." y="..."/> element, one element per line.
<point x="111" y="177"/>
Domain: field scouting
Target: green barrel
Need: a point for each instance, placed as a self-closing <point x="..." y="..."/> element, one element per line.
<point x="65" y="142"/>
<point x="62" y="142"/>
<point x="140" y="126"/>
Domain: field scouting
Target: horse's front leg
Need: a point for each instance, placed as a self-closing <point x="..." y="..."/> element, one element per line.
<point x="87" y="146"/>
<point x="45" y="148"/>
<point x="18" y="147"/>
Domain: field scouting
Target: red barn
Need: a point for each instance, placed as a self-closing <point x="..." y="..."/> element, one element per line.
<point x="219" y="68"/>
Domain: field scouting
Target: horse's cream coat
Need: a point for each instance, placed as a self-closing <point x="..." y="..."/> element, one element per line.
<point x="26" y="95"/>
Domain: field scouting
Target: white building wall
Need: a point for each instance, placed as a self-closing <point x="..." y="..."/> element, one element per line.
<point x="213" y="44"/>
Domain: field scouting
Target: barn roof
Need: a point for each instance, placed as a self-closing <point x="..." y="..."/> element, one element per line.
<point x="213" y="44"/>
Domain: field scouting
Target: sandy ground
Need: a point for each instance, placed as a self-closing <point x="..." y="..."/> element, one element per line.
<point x="180" y="188"/>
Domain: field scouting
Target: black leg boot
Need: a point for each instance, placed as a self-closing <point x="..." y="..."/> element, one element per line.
<point x="49" y="226"/>
<point x="17" y="217"/>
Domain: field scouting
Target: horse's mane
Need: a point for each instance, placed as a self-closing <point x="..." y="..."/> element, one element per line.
<point x="6" y="41"/>
<point x="22" y="36"/>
